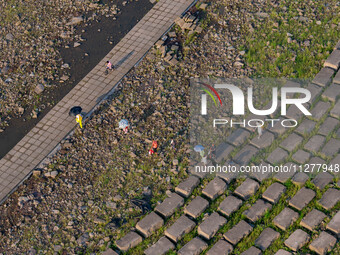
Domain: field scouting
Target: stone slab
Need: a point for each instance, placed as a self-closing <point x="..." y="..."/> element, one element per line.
<point x="301" y="156"/>
<point x="315" y="91"/>
<point x="328" y="126"/>
<point x="333" y="163"/>
<point x="244" y="156"/>
<point x="316" y="160"/>
<point x="196" y="207"/>
<point x="320" y="110"/>
<point x="228" y="176"/>
<point x="274" y="192"/>
<point x="186" y="187"/>
<point x="264" y="141"/>
<point x="330" y="198"/>
<point x="315" y="143"/>
<point x="282" y="252"/>
<point x="266" y="238"/>
<point x="312" y="219"/>
<point x="277" y="128"/>
<point x="324" y="77"/>
<point x="257" y="210"/>
<point x="252" y="251"/>
<point x="285" y="218"/>
<point x="332" y="92"/>
<point x="130" y="240"/>
<point x="333" y="61"/>
<point x="223" y="151"/>
<point x="161" y="247"/>
<point x="215" y="188"/>
<point x="238" y="232"/>
<point x="302" y="198"/>
<point x="247" y="188"/>
<point x="291" y="142"/>
<point x="238" y="137"/>
<point x="323" y="244"/>
<point x="199" y="170"/>
<point x="211" y="225"/>
<point x="335" y="112"/>
<point x="259" y="175"/>
<point x="300" y="178"/>
<point x="284" y="176"/>
<point x="334" y="224"/>
<point x="297" y="240"/>
<point x="277" y="156"/>
<point x="331" y="148"/>
<point x="180" y="228"/>
<point x="194" y="247"/>
<point x="322" y="179"/>
<point x="169" y="205"/>
<point x="221" y="248"/>
<point x="295" y="113"/>
<point x="336" y="78"/>
<point x="109" y="252"/>
<point x="149" y="224"/>
<point x="306" y="127"/>
<point x="229" y="205"/>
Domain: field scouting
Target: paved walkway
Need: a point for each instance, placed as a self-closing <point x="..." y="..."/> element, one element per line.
<point x="18" y="164"/>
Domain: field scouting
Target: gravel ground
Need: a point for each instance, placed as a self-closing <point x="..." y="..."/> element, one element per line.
<point x="86" y="198"/>
<point x="31" y="34"/>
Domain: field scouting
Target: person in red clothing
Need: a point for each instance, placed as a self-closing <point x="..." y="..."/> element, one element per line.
<point x="154" y="147"/>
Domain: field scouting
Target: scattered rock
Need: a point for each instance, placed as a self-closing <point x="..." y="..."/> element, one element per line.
<point x="74" y="21"/>
<point x="39" y="89"/>
<point x="9" y="37"/>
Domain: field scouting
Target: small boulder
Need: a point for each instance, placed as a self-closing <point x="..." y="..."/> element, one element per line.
<point x="39" y="89"/>
<point x="74" y="21"/>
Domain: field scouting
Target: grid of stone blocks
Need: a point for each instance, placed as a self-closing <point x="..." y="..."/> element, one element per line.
<point x="312" y="220"/>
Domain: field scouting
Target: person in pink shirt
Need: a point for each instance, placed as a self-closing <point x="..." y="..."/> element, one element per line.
<point x="108" y="67"/>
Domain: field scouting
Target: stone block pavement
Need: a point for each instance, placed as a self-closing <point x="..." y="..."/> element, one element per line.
<point x="293" y="212"/>
<point x="17" y="165"/>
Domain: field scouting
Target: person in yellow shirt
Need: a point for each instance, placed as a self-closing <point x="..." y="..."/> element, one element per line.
<point x="79" y="119"/>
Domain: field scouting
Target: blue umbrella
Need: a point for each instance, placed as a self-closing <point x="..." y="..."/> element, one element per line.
<point x="198" y="148"/>
<point x="123" y="124"/>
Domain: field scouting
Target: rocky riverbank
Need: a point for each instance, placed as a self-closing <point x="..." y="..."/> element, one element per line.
<point x="32" y="69"/>
<point x="103" y="181"/>
<point x="81" y="43"/>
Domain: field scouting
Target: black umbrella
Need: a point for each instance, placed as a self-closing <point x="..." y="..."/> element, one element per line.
<point x="75" y="111"/>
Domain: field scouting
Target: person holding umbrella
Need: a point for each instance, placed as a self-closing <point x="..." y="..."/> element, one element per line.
<point x="124" y="124"/>
<point x="79" y="119"/>
<point x="76" y="111"/>
<point x="200" y="149"/>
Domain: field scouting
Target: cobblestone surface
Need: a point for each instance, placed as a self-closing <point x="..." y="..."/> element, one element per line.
<point x="266" y="206"/>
